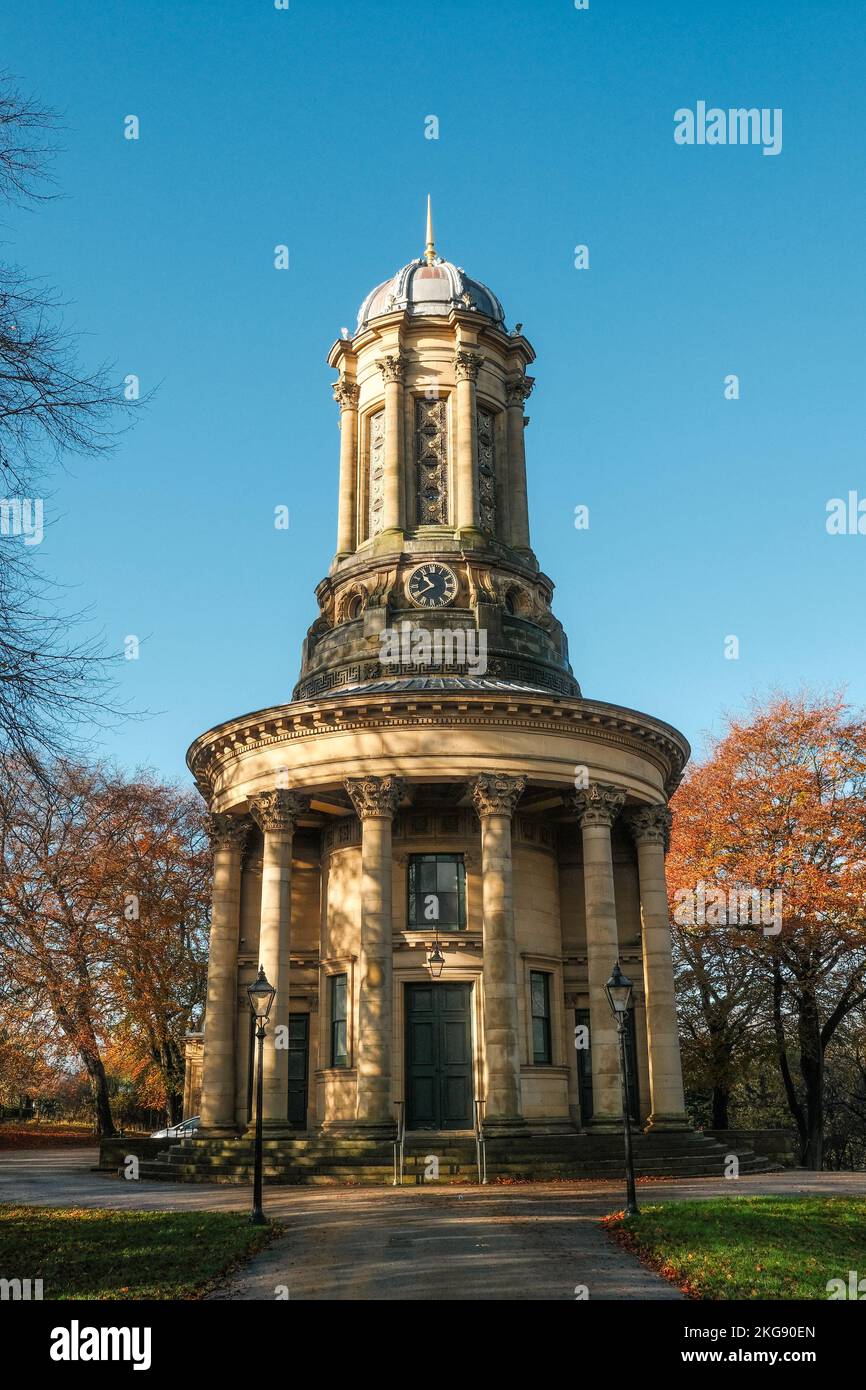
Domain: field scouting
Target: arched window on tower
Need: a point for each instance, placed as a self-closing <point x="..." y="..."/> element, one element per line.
<point x="486" y="425"/>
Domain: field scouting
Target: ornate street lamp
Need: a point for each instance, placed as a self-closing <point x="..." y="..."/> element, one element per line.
<point x="618" y="990"/>
<point x="436" y="960"/>
<point x="261" y="996"/>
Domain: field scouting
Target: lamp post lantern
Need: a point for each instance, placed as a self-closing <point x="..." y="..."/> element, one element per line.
<point x="261" y="997"/>
<point x="619" y="990"/>
<point x="436" y="960"/>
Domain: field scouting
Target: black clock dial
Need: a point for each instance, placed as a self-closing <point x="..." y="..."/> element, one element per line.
<point x="432" y="586"/>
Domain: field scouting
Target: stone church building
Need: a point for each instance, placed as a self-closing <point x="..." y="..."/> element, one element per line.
<point x="437" y="787"/>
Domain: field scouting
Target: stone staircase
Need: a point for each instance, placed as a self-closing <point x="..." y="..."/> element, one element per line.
<point x="327" y="1160"/>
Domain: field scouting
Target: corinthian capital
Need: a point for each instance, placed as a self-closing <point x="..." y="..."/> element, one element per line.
<point x="600" y="804"/>
<point x="651" y="825"/>
<point x="495" y="794"/>
<point x="517" y="392"/>
<point x="467" y="365"/>
<point x="346" y="394"/>
<point x="277" y="810"/>
<point x="393" y="367"/>
<point x="226" y="832"/>
<point x="375" y="796"/>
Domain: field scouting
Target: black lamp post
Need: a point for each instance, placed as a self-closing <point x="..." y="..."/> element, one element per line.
<point x="261" y="996"/>
<point x="618" y="990"/>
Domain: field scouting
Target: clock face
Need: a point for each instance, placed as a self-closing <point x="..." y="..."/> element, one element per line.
<point x="432" y="586"/>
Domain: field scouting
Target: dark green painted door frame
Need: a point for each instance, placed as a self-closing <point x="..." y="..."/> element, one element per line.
<point x="438" y="1056"/>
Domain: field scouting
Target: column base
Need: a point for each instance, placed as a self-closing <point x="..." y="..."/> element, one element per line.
<point x="272" y="1129"/>
<point x="503" y="1125"/>
<point x="217" y="1132"/>
<point x="662" y="1124"/>
<point x="374" y="1130"/>
<point x="605" y="1123"/>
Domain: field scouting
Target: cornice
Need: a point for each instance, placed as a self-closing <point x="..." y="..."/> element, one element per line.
<point x="651" y="738"/>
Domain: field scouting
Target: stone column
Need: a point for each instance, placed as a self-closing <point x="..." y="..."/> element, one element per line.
<point x="228" y="836"/>
<point x="495" y="797"/>
<point x="346" y="395"/>
<point x="466" y="368"/>
<point x="375" y="800"/>
<point x="651" y="827"/>
<point x="597" y="808"/>
<point x="393" y="369"/>
<point x="276" y="812"/>
<point x="517" y="393"/>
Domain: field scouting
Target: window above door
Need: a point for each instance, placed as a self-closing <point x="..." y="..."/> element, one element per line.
<point x="436" y="892"/>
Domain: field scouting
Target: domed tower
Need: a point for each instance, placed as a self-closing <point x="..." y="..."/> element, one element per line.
<point x="438" y="848"/>
<point x="433" y="547"/>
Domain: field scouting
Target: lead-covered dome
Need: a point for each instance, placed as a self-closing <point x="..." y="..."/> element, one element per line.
<point x="433" y="287"/>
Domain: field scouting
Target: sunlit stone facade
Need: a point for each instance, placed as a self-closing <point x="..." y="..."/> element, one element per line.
<point x="461" y="794"/>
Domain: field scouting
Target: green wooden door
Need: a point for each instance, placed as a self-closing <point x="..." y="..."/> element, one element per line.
<point x="438" y="1056"/>
<point x="299" y="1046"/>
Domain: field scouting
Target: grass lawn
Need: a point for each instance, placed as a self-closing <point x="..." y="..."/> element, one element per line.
<point x="45" y="1134"/>
<point x="750" y="1247"/>
<point x="90" y="1253"/>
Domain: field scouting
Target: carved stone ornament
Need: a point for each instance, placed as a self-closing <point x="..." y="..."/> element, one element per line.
<point x="393" y="367"/>
<point x="375" y="796"/>
<point x="376" y="500"/>
<point x="495" y="794"/>
<point x="431" y="463"/>
<point x="277" y="810"/>
<point x="346" y="394"/>
<point x="519" y="391"/>
<point x="651" y="824"/>
<point x="600" y="804"/>
<point x="226" y="832"/>
<point x="467" y="365"/>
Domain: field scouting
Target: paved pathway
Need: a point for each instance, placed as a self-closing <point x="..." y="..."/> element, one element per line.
<point x="527" y="1241"/>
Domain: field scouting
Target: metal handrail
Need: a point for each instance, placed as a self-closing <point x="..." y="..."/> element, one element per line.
<point x="399" y="1143"/>
<point x="480" y="1146"/>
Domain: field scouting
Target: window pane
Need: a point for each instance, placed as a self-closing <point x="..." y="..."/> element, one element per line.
<point x="538" y="984"/>
<point x="539" y="1041"/>
<point x="444" y="876"/>
<point x="448" y="910"/>
<point x="339" y="1054"/>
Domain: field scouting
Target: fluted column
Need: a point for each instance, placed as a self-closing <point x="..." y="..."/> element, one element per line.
<point x="375" y="800"/>
<point x="495" y="798"/>
<point x="650" y="827"/>
<point x="276" y="812"/>
<point x="346" y="395"/>
<point x="597" y="808"/>
<point x="227" y="835"/>
<point x="393" y="369"/>
<point x="466" y="368"/>
<point x="517" y="394"/>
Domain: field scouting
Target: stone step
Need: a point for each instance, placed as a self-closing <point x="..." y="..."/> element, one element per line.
<point x="292" y="1172"/>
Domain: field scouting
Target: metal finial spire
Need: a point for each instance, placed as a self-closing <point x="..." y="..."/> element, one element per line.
<point x="430" y="249"/>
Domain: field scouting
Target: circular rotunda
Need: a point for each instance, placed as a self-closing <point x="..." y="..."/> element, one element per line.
<point x="439" y="847"/>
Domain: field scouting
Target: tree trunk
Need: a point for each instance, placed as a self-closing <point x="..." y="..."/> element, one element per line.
<point x="812" y="1069"/>
<point x="98" y="1093"/>
<point x="721" y="1097"/>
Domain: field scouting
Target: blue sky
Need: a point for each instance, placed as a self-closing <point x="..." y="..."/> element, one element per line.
<point x="306" y="127"/>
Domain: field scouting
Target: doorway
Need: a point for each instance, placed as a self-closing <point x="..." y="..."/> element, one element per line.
<point x="438" y="1056"/>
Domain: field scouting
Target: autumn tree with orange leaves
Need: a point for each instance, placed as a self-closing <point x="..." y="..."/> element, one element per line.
<point x="780" y="807"/>
<point x="103" y="920"/>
